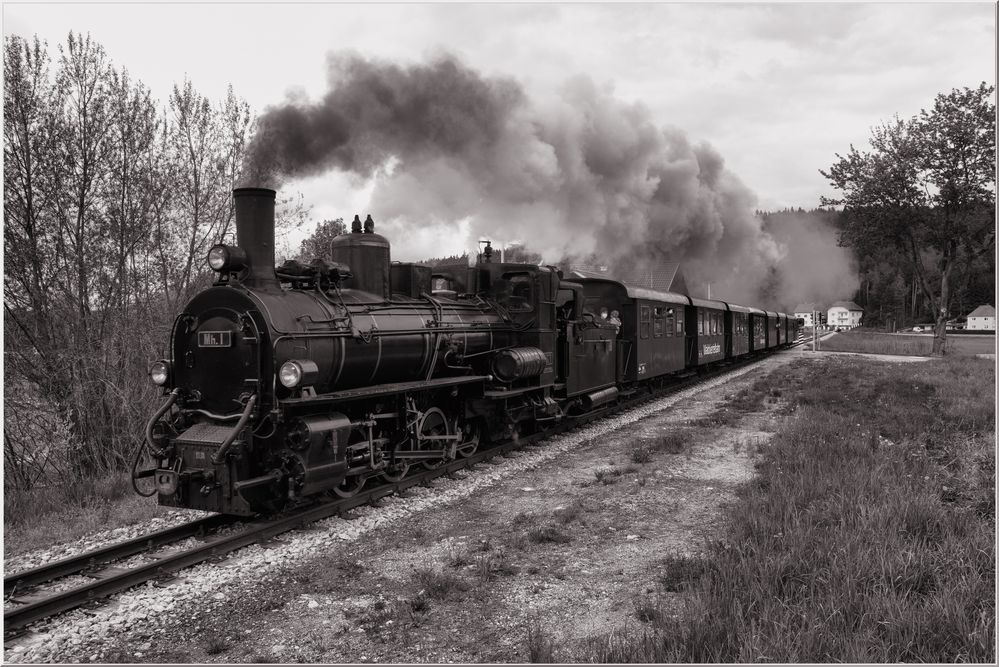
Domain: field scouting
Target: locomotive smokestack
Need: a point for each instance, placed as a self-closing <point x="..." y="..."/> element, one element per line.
<point x="255" y="234"/>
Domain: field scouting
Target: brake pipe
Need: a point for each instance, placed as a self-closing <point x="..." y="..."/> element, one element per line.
<point x="153" y="449"/>
<point x="227" y="443"/>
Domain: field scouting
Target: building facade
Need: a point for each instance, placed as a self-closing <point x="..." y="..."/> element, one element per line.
<point x="804" y="311"/>
<point x="982" y="318"/>
<point x="844" y="315"/>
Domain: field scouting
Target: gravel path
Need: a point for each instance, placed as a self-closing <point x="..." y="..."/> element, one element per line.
<point x="138" y="616"/>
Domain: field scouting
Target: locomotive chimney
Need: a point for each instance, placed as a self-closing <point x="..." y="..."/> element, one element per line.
<point x="255" y="234"/>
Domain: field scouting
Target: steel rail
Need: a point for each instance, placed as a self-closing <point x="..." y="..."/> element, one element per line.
<point x="104" y="555"/>
<point x="264" y="529"/>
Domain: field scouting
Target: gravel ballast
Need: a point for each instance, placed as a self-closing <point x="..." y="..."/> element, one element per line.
<point x="137" y="618"/>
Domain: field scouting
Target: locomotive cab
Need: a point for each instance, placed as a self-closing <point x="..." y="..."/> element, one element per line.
<point x="525" y="295"/>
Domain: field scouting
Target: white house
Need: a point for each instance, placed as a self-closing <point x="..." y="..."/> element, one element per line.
<point x="804" y="311"/>
<point x="983" y="317"/>
<point x="844" y="315"/>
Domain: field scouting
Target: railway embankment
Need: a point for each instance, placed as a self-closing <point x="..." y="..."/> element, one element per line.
<point x="810" y="509"/>
<point x="221" y="609"/>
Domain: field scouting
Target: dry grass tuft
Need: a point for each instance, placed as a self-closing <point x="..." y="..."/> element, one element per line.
<point x="540" y="644"/>
<point x="548" y="533"/>
<point x="215" y="646"/>
<point x="439" y="585"/>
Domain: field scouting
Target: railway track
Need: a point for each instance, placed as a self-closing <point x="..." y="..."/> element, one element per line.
<point x="28" y="604"/>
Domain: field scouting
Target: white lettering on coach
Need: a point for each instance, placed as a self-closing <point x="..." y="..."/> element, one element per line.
<point x="714" y="348"/>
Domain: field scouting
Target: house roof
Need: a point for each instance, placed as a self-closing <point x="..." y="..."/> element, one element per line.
<point x="806" y="307"/>
<point x="983" y="311"/>
<point x="664" y="277"/>
<point x="849" y="305"/>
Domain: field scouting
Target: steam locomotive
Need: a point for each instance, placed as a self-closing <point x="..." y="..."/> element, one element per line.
<point x="304" y="379"/>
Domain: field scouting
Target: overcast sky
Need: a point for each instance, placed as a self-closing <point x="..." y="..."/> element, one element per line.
<point x="776" y="89"/>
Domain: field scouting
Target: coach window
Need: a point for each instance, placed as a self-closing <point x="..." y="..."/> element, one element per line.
<point x="644" y="324"/>
<point x="700" y="323"/>
<point x="669" y="322"/>
<point x="657" y="322"/>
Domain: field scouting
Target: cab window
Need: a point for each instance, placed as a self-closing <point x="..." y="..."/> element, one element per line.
<point x="515" y="291"/>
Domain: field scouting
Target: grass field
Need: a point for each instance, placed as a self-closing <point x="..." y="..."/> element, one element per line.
<point x="868" y="534"/>
<point x="47" y="515"/>
<point x="904" y="344"/>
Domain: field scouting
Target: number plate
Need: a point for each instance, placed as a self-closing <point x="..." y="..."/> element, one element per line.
<point x="214" y="338"/>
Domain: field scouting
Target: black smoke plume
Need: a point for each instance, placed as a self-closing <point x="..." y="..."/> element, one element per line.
<point x="576" y="174"/>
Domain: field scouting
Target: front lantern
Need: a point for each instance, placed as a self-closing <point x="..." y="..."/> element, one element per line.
<point x="159" y="372"/>
<point x="224" y="258"/>
<point x="298" y="372"/>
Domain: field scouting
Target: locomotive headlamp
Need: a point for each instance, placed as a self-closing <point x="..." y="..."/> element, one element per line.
<point x="159" y="372"/>
<point x="298" y="372"/>
<point x="226" y="258"/>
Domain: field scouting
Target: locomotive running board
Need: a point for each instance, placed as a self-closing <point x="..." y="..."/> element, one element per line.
<point x="383" y="389"/>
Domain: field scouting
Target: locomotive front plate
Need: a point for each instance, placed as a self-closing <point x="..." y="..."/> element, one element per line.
<point x="214" y="339"/>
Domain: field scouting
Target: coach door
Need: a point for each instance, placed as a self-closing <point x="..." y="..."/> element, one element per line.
<point x="592" y="356"/>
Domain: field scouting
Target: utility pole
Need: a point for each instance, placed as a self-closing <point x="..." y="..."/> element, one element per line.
<point x="815" y="330"/>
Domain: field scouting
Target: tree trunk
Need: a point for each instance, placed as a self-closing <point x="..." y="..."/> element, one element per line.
<point x="940" y="328"/>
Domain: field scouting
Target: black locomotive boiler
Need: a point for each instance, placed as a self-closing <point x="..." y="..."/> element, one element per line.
<point x="287" y="382"/>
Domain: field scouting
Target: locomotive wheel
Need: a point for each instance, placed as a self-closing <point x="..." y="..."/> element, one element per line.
<point x="395" y="472"/>
<point x="350" y="486"/>
<point x="470" y="437"/>
<point x="434" y="423"/>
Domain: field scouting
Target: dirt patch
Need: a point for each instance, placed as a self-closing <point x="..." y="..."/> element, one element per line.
<point x="530" y="569"/>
